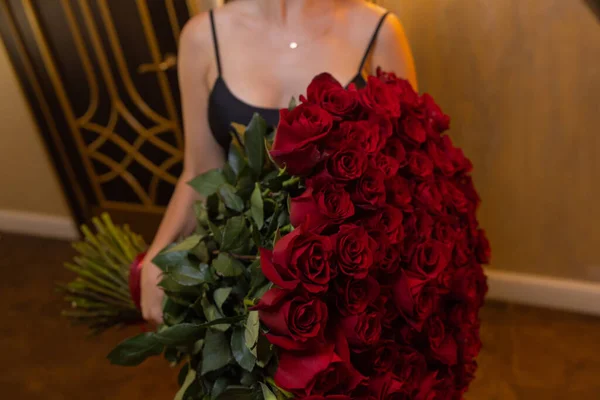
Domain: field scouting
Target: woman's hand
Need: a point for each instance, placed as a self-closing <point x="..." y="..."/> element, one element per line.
<point x="152" y="295"/>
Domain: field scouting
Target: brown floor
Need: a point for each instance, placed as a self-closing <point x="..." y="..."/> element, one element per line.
<point x="528" y="353"/>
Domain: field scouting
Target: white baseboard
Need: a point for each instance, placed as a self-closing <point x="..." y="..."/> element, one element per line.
<point x="562" y="294"/>
<point x="35" y="224"/>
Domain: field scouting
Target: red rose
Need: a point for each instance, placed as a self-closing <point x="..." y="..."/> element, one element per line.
<point x="370" y="190"/>
<point x="411" y="366"/>
<point x="348" y="163"/>
<point x="430" y="258"/>
<point x="442" y="345"/>
<point x="439" y="121"/>
<point x="402" y="87"/>
<point x="319" y="373"/>
<point x="331" y="397"/>
<point x="462" y="250"/>
<point x="453" y="196"/>
<point x="399" y="192"/>
<point x="482" y="248"/>
<point x="415" y="300"/>
<point x="355" y="251"/>
<point x="298" y="133"/>
<point x="294" y="321"/>
<point x="385" y="129"/>
<point x="465" y="375"/>
<point x="464" y="315"/>
<point x="328" y="93"/>
<point x="449" y="159"/>
<point x="380" y="359"/>
<point x="470" y="284"/>
<point x="326" y="202"/>
<point x="469" y="344"/>
<point x="389" y="220"/>
<point x="445" y="232"/>
<point x="300" y="257"/>
<point x="388" y="255"/>
<point x="388" y="387"/>
<point x="395" y="149"/>
<point x="380" y="98"/>
<point x="424" y="224"/>
<point x="387" y="165"/>
<point x="413" y="128"/>
<point x="386" y="308"/>
<point x="429" y="196"/>
<point x="354" y="295"/>
<point x="362" y="330"/>
<point x="420" y="164"/>
<point x="361" y="134"/>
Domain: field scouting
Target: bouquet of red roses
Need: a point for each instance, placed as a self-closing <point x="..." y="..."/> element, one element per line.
<point x="340" y="261"/>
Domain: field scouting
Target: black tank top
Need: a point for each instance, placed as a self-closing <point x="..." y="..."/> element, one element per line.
<point x="224" y="108"/>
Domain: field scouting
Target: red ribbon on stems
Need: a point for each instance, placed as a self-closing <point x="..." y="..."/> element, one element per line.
<point x="135" y="275"/>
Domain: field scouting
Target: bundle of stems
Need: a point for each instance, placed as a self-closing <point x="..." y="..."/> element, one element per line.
<point x="99" y="296"/>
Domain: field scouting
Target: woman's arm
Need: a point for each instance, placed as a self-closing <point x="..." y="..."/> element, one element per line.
<point x="201" y="154"/>
<point x="392" y="51"/>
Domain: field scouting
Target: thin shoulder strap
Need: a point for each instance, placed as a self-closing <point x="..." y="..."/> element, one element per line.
<point x="372" y="42"/>
<point x="215" y="41"/>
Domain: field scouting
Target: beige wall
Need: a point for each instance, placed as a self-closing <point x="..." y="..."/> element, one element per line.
<point x="27" y="179"/>
<point x="521" y="80"/>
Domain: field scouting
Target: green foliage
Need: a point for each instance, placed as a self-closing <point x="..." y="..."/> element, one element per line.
<point x="213" y="278"/>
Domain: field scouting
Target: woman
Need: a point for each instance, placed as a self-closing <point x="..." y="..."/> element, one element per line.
<point x="253" y="56"/>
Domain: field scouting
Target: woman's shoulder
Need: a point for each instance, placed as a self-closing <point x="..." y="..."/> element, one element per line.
<point x="364" y="10"/>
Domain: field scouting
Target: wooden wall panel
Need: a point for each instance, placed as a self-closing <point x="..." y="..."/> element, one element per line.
<point x="521" y="80"/>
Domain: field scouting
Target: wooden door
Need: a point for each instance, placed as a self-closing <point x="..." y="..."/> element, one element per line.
<point x="101" y="80"/>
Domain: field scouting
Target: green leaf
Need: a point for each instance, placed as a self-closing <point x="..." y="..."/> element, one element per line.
<point x="262" y="290"/>
<point x="219" y="387"/>
<point x="189" y="379"/>
<point x="197" y="348"/>
<point x="216" y="231"/>
<point x="172" y="355"/>
<point x="216" y="353"/>
<point x="166" y="258"/>
<point x="293" y="103"/>
<point x="213" y="204"/>
<point x="256" y="208"/>
<point x="230" y="198"/>
<point x="235" y="235"/>
<point x="251" y="331"/>
<point x="264" y="351"/>
<point x="181" y="334"/>
<point x="208" y="182"/>
<point x="187" y="275"/>
<point x="171" y="287"/>
<point x="220" y="296"/>
<point x="174" y="313"/>
<point x="188" y="333"/>
<point x="257" y="278"/>
<point x="242" y="354"/>
<point x="236" y="160"/>
<point x="201" y="251"/>
<point x="237" y="393"/>
<point x="255" y="143"/>
<point x="229" y="174"/>
<point x="267" y="394"/>
<point x="183" y="372"/>
<point x="185" y="245"/>
<point x="135" y="350"/>
<point x="245" y="185"/>
<point x="212" y="313"/>
<point x="227" y="266"/>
